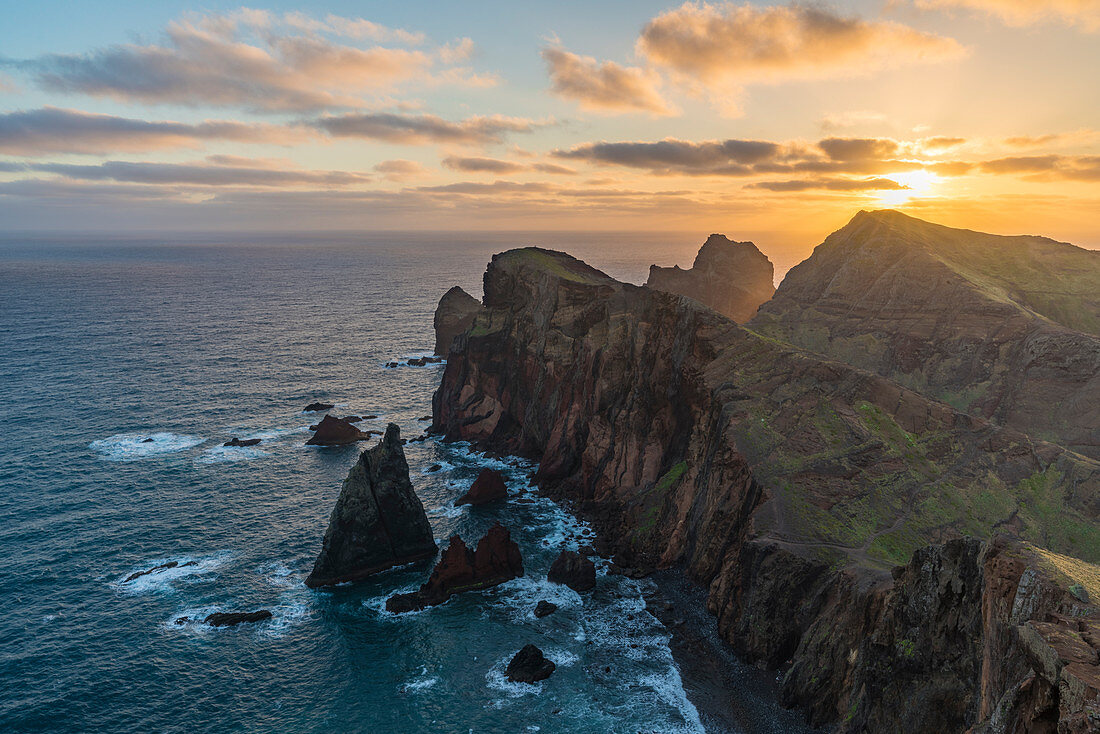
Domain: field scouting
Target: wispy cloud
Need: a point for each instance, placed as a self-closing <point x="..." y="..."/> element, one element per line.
<point x="206" y="173"/>
<point x="1083" y="13"/>
<point x="400" y="169"/>
<point x="413" y="129"/>
<point x="604" y="87"/>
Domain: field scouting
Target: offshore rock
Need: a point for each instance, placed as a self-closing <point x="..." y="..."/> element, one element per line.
<point x="488" y="487"/>
<point x="318" y="407"/>
<point x="529" y="665"/>
<point x="733" y="278"/>
<point x="788" y="485"/>
<point x="238" y="442"/>
<point x="573" y="570"/>
<point x="378" y="521"/>
<point x="496" y="560"/>
<point x="545" y="608"/>
<point x="453" y="316"/>
<point x="333" y="431"/>
<point x="157" y="569"/>
<point x="231" y="619"/>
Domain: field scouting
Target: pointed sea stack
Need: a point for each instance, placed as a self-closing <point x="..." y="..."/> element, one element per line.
<point x="496" y="560"/>
<point x="733" y="278"/>
<point x="488" y="487"/>
<point x="378" y="521"/>
<point x="454" y="315"/>
<point x="333" y="431"/>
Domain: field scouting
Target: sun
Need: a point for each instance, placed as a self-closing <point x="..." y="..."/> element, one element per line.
<point x="917" y="184"/>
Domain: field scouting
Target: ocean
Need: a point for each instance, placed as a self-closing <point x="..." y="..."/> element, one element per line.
<point x="189" y="341"/>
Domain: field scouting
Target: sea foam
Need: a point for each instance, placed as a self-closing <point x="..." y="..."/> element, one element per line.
<point x="135" y="446"/>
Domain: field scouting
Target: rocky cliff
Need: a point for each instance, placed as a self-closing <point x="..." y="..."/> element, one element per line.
<point x="1007" y="328"/>
<point x="453" y="315"/>
<point x="791" y="485"/>
<point x="378" y="521"/>
<point x="733" y="278"/>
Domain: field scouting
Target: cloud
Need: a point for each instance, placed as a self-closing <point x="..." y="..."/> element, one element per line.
<point x="553" y="169"/>
<point x="830" y="184"/>
<point x="606" y="87"/>
<point x="400" y="169"/>
<point x="200" y="174"/>
<point x="482" y="165"/>
<point x="1085" y="13"/>
<point x="858" y="149"/>
<point x="725" y="46"/>
<point x="1047" y="167"/>
<point x="852" y="118"/>
<point x="255" y="60"/>
<point x="410" y="129"/>
<point x="55" y="130"/>
<point x="728" y="157"/>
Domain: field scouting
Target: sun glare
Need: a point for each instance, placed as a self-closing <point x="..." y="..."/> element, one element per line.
<point x="917" y="184"/>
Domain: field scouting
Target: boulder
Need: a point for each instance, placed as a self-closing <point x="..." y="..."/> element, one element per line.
<point x="488" y="487"/>
<point x="545" y="608"/>
<point x="454" y="315"/>
<point x="378" y="521"/>
<point x="318" y="407"/>
<point x="230" y="619"/>
<point x="573" y="570"/>
<point x="335" y="432"/>
<point x="238" y="442"/>
<point x="529" y="666"/>
<point x="496" y="560"/>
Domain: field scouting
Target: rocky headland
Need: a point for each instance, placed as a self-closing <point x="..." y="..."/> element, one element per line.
<point x="453" y="315"/>
<point x="733" y="278"/>
<point x="907" y="565"/>
<point x="378" y="521"/>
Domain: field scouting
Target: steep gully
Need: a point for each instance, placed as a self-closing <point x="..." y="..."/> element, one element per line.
<point x="817" y="502"/>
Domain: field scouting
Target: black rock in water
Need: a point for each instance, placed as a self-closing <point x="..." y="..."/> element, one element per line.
<point x="378" y="521"/>
<point x="545" y="608"/>
<point x="573" y="570"/>
<point x="529" y="666"/>
<point x="238" y="442"/>
<point x="148" y="440"/>
<point x="229" y="619"/>
<point x="318" y="407"/>
<point x="157" y="569"/>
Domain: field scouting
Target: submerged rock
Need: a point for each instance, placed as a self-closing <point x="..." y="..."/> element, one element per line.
<point x="318" y="407"/>
<point x="496" y="560"/>
<point x="573" y="570"/>
<point x="157" y="569"/>
<point x="545" y="608"/>
<point x="335" y="432"/>
<point x="230" y="619"/>
<point x="488" y="487"/>
<point x="529" y="666"/>
<point x="378" y="521"/>
<point x="454" y="315"/>
<point x="147" y="440"/>
<point x="238" y="442"/>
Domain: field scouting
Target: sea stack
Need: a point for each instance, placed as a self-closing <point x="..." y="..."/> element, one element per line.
<point x="454" y="315"/>
<point x="332" y="431"/>
<point x="488" y="487"/>
<point x="496" y="560"/>
<point x="733" y="278"/>
<point x="378" y="521"/>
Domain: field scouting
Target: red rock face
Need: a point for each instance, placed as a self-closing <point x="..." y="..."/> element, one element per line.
<point x="733" y="278"/>
<point x="488" y="487"/>
<point x="497" y="559"/>
<point x="690" y="441"/>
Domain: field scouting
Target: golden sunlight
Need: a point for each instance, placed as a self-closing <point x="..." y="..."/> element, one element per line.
<point x="918" y="184"/>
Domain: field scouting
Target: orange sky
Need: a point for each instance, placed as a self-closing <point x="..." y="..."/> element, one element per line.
<point x="765" y="120"/>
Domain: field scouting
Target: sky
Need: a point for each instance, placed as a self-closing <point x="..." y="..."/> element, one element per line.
<point x="777" y="121"/>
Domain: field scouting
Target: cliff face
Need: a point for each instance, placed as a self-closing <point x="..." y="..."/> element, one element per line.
<point x="1007" y="328"/>
<point x="453" y="315"/>
<point x="788" y="483"/>
<point x="733" y="278"/>
<point x="378" y="521"/>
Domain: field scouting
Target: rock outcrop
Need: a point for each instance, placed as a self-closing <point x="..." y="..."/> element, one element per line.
<point x="497" y="559"/>
<point x="318" y="407"/>
<point x="789" y="485"/>
<point x="1006" y="328"/>
<point x="378" y="521"/>
<point x="453" y="316"/>
<point x="488" y="487"/>
<point x="158" y="569"/>
<point x="529" y="665"/>
<point x="332" y="431"/>
<point x="232" y="619"/>
<point x="545" y="608"/>
<point x="236" y="442"/>
<point x="733" y="278"/>
<point x="573" y="570"/>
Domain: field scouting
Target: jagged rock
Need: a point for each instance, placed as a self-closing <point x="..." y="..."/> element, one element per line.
<point x="434" y="468"/>
<point x="352" y="418"/>
<point x="488" y="487"/>
<point x="317" y="407"/>
<point x="238" y="442"/>
<point x="147" y="440"/>
<point x="333" y="431"/>
<point x="156" y="569"/>
<point x="496" y="560"/>
<point x="378" y="521"/>
<point x="573" y="570"/>
<point x="391" y="365"/>
<point x="529" y="665"/>
<point x="454" y="315"/>
<point x="230" y="619"/>
<point x="545" y="608"/>
<point x="733" y="278"/>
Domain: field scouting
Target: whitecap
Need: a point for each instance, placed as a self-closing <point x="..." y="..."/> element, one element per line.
<point x="135" y="446"/>
<point x="162" y="581"/>
<point x="669" y="688"/>
<point x="420" y="683"/>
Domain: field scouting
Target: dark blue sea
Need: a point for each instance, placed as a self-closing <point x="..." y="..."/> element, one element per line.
<point x="105" y="343"/>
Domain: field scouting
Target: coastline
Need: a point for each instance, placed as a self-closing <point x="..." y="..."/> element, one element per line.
<point x="731" y="696"/>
